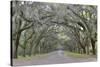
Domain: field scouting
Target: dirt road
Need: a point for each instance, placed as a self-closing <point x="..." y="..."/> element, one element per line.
<point x="55" y="57"/>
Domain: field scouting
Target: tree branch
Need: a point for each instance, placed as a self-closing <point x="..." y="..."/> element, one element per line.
<point x="84" y="20"/>
<point x="27" y="27"/>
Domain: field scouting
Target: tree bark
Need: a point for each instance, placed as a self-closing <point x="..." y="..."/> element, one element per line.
<point x="30" y="51"/>
<point x="16" y="45"/>
<point x="84" y="50"/>
<point x="24" y="51"/>
<point x="93" y="46"/>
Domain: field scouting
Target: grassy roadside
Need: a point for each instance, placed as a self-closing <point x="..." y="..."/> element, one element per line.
<point x="77" y="55"/>
<point x="38" y="56"/>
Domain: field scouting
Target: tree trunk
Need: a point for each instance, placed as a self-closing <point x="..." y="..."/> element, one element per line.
<point x="88" y="50"/>
<point x="24" y="50"/>
<point x="30" y="50"/>
<point x="16" y="45"/>
<point x="84" y="50"/>
<point x="32" y="42"/>
<point x="24" y="53"/>
<point x="93" y="46"/>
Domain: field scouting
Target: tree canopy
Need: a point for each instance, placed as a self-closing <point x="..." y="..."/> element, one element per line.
<point x="40" y="27"/>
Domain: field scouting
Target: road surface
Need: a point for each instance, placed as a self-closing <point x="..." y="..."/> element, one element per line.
<point x="56" y="57"/>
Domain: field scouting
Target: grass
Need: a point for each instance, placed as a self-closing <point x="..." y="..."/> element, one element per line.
<point x="38" y="56"/>
<point x="76" y="55"/>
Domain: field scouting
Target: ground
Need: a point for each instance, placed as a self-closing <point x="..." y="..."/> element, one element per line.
<point x="56" y="57"/>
